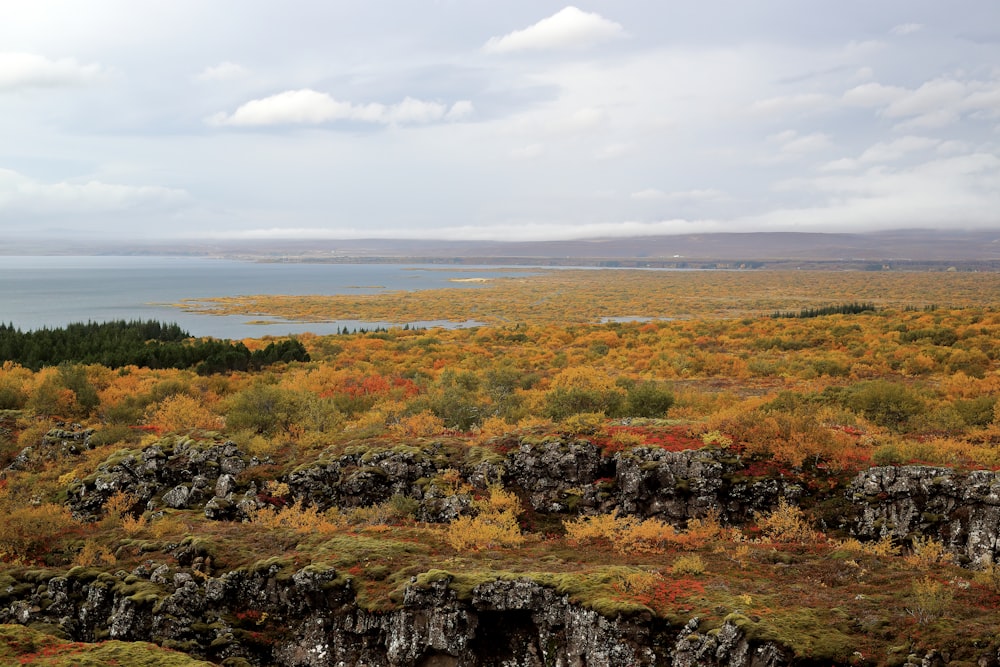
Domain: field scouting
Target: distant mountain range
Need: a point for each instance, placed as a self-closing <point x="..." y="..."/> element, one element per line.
<point x="898" y="248"/>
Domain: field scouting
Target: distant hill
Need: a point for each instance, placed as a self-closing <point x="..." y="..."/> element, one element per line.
<point x="901" y="246"/>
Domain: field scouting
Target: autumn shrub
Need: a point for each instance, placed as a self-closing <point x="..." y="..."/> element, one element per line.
<point x="926" y="551"/>
<point x="584" y="423"/>
<point x="28" y="533"/>
<point x="32" y="432"/>
<point x="396" y="510"/>
<point x="930" y="598"/>
<point x="988" y="575"/>
<point x="637" y="582"/>
<point x="256" y="444"/>
<point x="564" y="402"/>
<point x="181" y="413"/>
<point x="888" y="404"/>
<point x="628" y="534"/>
<point x="12" y="395"/>
<point x="585" y="529"/>
<point x="493" y="427"/>
<point x="494" y="527"/>
<point x="300" y="519"/>
<point x="977" y="412"/>
<point x="264" y="409"/>
<point x="785" y="523"/>
<point x="622" y="440"/>
<point x="119" y="506"/>
<point x="884" y="547"/>
<point x="700" y="531"/>
<point x="420" y="425"/>
<point x="688" y="564"/>
<point x="645" y="536"/>
<point x="647" y="399"/>
<point x="94" y="554"/>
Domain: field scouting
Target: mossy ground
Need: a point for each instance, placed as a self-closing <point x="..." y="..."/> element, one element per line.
<point x="20" y="645"/>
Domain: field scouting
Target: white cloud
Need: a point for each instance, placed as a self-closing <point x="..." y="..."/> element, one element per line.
<point x="583" y="120"/>
<point x="540" y="231"/>
<point x="649" y="193"/>
<point x="224" y="71"/>
<point x="529" y="152"/>
<point x="613" y="150"/>
<point x="792" y="103"/>
<point x="703" y="195"/>
<point x="930" y="97"/>
<point x="843" y="164"/>
<point x="928" y="121"/>
<point x="898" y="148"/>
<point x="792" y="143"/>
<point x="28" y="70"/>
<point x="872" y="95"/>
<point x="934" y="104"/>
<point x="567" y="29"/>
<point x="23" y="194"/>
<point x="309" y="107"/>
<point x="906" y="28"/>
<point x="944" y="193"/>
<point x="460" y="110"/>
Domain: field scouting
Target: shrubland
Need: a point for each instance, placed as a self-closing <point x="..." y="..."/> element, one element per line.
<point x="815" y="399"/>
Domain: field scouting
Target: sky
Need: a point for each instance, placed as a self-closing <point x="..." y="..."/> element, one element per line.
<point x="496" y="119"/>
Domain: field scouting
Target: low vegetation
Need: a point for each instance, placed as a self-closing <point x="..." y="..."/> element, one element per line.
<point x="813" y="398"/>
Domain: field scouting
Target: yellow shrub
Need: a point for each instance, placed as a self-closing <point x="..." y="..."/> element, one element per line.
<point x="31" y="435"/>
<point x="132" y="525"/>
<point x="27" y="533"/>
<point x="165" y="526"/>
<point x="495" y="526"/>
<point x="688" y="564"/>
<point x="626" y="440"/>
<point x="94" y="554"/>
<point x="118" y="507"/>
<point x="785" y="523"/>
<point x="930" y="599"/>
<point x="299" y="519"/>
<point x="493" y="427"/>
<point x="638" y="582"/>
<point x="420" y="425"/>
<point x="590" y="528"/>
<point x="484" y="531"/>
<point x="182" y="413"/>
<point x="700" y="531"/>
<point x="625" y="533"/>
<point x="928" y="551"/>
<point x="584" y="423"/>
<point x="647" y="536"/>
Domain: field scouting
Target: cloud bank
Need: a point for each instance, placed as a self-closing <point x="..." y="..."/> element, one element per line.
<point x="570" y="28"/>
<point x="309" y="107"/>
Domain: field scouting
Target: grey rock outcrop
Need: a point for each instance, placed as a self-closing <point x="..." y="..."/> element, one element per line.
<point x="962" y="509"/>
<point x="268" y="615"/>
<point x="69" y="440"/>
<point x="176" y="473"/>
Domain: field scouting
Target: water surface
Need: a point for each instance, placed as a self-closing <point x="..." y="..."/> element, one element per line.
<point x="52" y="291"/>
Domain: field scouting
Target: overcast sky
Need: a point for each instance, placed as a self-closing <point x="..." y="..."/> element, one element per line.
<point x="496" y="119"/>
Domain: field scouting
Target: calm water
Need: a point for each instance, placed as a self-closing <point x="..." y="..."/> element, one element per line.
<point x="40" y="292"/>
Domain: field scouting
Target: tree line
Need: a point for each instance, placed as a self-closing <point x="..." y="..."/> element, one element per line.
<point x="149" y="344"/>
<point x="840" y="309"/>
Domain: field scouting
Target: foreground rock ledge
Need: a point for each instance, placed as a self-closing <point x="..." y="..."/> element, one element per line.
<point x="268" y="616"/>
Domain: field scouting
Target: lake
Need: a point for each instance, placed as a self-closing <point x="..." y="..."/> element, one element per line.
<point x="52" y="291"/>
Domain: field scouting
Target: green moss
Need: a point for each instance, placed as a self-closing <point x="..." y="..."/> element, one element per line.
<point x="38" y="647"/>
<point x="347" y="550"/>
<point x="593" y="589"/>
<point x="811" y="633"/>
